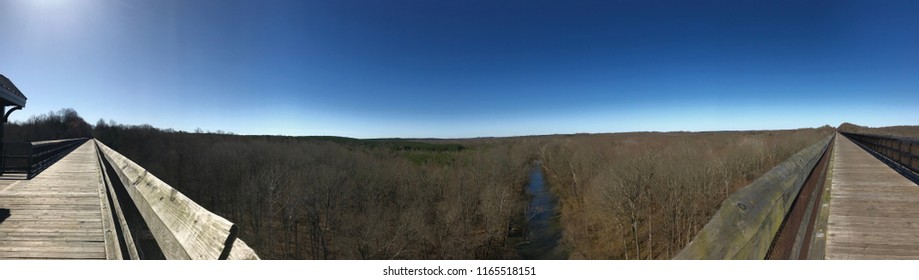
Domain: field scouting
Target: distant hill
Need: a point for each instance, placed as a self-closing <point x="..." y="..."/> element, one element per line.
<point x="911" y="131"/>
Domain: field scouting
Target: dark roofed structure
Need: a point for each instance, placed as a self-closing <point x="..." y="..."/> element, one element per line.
<point x="10" y="94"/>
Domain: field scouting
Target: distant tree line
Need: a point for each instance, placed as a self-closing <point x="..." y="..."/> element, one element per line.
<point x="910" y="131"/>
<point x="65" y="123"/>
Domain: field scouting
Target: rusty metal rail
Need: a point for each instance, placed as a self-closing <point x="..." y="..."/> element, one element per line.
<point x="792" y="241"/>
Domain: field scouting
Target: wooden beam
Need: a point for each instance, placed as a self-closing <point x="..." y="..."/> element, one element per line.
<point x="182" y="228"/>
<point x="112" y="245"/>
<point x="241" y="251"/>
<point x="746" y="223"/>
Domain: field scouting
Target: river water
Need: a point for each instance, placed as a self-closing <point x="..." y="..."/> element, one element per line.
<point x="542" y="229"/>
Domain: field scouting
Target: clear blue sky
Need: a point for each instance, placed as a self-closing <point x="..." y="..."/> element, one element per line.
<point x="466" y="68"/>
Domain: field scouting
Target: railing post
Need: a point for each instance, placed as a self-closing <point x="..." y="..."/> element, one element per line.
<point x="912" y="157"/>
<point x="2" y="154"/>
<point x="31" y="154"/>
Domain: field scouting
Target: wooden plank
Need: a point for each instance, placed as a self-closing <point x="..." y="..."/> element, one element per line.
<point x="50" y="215"/>
<point x="23" y="200"/>
<point x="54" y="237"/>
<point x="36" y="234"/>
<point x="58" y="196"/>
<point x="866" y="232"/>
<point x="37" y="220"/>
<point x="241" y="251"/>
<point x="52" y="255"/>
<point x="122" y="224"/>
<point x="77" y="234"/>
<point x="30" y="248"/>
<point x="903" y="221"/>
<point x="112" y="244"/>
<point x="50" y="207"/>
<point x="50" y="226"/>
<point x="872" y="209"/>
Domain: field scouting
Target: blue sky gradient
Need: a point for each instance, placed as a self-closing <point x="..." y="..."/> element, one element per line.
<point x="466" y="68"/>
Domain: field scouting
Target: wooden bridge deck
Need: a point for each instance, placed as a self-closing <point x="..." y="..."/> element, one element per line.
<point x="874" y="211"/>
<point x="56" y="215"/>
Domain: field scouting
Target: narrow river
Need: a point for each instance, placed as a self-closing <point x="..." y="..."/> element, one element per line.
<point x="542" y="229"/>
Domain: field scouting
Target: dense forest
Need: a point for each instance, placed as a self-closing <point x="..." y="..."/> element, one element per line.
<point x="621" y="196"/>
<point x="65" y="123"/>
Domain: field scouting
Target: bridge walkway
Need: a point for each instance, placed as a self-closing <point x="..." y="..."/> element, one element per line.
<point x="874" y="211"/>
<point x="58" y="214"/>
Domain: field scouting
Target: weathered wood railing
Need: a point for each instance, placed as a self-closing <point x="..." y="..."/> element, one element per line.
<point x="181" y="228"/>
<point x="32" y="158"/>
<point x="902" y="150"/>
<point x="748" y="221"/>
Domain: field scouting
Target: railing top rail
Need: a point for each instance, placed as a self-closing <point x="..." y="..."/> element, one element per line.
<point x="748" y="220"/>
<point x="891" y="137"/>
<point x="182" y="228"/>
<point x="52" y="142"/>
